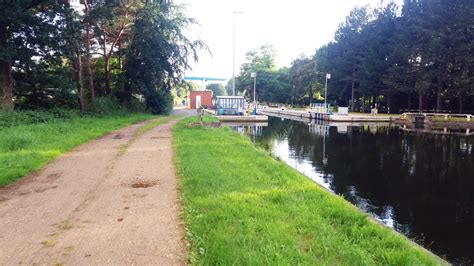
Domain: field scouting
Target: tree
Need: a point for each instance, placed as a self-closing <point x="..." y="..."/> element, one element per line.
<point x="350" y="45"/>
<point x="73" y="49"/>
<point x="303" y="79"/>
<point x="272" y="83"/>
<point x="88" y="20"/>
<point x="217" y="89"/>
<point x="28" y="29"/>
<point x="112" y="21"/>
<point x="158" y="53"/>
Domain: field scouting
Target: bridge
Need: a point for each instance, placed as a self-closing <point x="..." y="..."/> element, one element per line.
<point x="203" y="79"/>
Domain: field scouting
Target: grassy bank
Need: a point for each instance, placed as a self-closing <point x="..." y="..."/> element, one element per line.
<point x="241" y="206"/>
<point x="27" y="147"/>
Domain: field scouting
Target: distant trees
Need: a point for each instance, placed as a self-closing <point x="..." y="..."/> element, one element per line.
<point x="217" y="89"/>
<point x="114" y="48"/>
<point x="421" y="58"/>
<point x="304" y="80"/>
<point x="272" y="83"/>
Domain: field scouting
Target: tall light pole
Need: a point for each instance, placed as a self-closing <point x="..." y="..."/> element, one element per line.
<point x="233" y="51"/>
<point x="328" y="76"/>
<point x="254" y="76"/>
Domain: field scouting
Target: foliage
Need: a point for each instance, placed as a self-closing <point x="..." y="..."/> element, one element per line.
<point x="304" y="80"/>
<point x="389" y="58"/>
<point x="28" y="29"/>
<point x="45" y="85"/>
<point x="10" y="119"/>
<point x="27" y="147"/>
<point x="159" y="101"/>
<point x="272" y="84"/>
<point x="239" y="200"/>
<point x="158" y="53"/>
<point x="105" y="106"/>
<point x="47" y="52"/>
<point x="217" y="89"/>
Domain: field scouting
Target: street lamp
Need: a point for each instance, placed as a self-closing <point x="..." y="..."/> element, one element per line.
<point x="233" y="51"/>
<point x="254" y="76"/>
<point x="328" y="76"/>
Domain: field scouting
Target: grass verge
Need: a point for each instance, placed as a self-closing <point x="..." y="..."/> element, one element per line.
<point x="25" y="148"/>
<point x="242" y="206"/>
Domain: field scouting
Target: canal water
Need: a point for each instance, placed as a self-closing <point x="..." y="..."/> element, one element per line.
<point x="420" y="184"/>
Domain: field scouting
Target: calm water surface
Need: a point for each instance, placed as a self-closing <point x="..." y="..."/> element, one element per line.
<point x="420" y="184"/>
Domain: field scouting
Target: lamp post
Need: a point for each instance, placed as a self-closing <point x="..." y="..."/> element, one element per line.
<point x="328" y="76"/>
<point x="254" y="76"/>
<point x="233" y="51"/>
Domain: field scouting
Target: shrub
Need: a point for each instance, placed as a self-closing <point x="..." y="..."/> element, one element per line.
<point x="105" y="106"/>
<point x="159" y="101"/>
<point x="8" y="119"/>
<point x="136" y="106"/>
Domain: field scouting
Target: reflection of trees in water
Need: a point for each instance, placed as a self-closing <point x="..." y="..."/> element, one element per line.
<point x="424" y="181"/>
<point x="274" y="130"/>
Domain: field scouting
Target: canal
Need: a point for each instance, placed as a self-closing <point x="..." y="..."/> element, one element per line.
<point x="420" y="184"/>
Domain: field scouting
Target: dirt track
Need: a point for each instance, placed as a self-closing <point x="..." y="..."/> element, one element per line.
<point x="111" y="201"/>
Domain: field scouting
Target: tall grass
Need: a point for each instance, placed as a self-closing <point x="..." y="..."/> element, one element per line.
<point x="242" y="207"/>
<point x="25" y="147"/>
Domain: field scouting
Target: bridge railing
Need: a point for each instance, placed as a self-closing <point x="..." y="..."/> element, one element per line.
<point x="444" y="116"/>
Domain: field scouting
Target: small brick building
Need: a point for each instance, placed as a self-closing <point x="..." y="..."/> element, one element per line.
<point x="198" y="98"/>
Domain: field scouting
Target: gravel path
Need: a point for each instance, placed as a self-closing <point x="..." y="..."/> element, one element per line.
<point x="114" y="200"/>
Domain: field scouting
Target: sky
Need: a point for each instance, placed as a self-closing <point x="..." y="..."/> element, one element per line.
<point x="293" y="27"/>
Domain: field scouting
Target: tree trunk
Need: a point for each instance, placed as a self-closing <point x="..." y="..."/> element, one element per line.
<point x="106" y="68"/>
<point x="420" y="102"/>
<point x="6" y="85"/>
<point x="460" y="103"/>
<point x="353" y="90"/>
<point x="6" y="80"/>
<point x="363" y="104"/>
<point x="120" y="55"/>
<point x="389" y="103"/>
<point x="106" y="75"/>
<point x="409" y="102"/>
<point x="90" y="75"/>
<point x="438" y="95"/>
<point x="79" y="85"/>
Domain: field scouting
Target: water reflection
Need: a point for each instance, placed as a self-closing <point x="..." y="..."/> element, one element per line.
<point x="250" y="128"/>
<point x="419" y="184"/>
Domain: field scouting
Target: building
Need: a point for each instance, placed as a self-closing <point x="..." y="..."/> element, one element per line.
<point x="199" y="98"/>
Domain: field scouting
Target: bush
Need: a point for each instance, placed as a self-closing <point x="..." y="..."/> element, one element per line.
<point x="105" y="106"/>
<point x="9" y="119"/>
<point x="137" y="106"/>
<point x="159" y="102"/>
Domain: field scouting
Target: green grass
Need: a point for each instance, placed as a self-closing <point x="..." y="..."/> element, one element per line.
<point x="25" y="148"/>
<point x="242" y="206"/>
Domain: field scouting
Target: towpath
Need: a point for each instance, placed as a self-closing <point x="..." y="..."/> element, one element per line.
<point x="114" y="201"/>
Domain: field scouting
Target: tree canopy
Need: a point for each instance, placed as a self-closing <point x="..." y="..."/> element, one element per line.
<point x="272" y="84"/>
<point x="52" y="54"/>
<point x="419" y="57"/>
